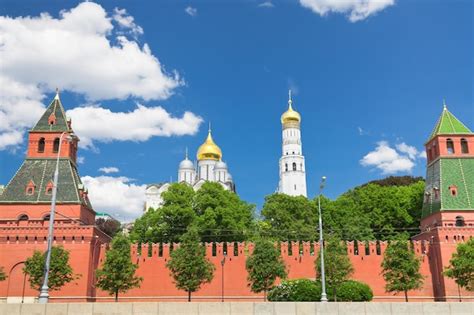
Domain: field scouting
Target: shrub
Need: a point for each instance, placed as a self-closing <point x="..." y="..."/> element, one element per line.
<point x="305" y="290"/>
<point x="297" y="290"/>
<point x="353" y="291"/>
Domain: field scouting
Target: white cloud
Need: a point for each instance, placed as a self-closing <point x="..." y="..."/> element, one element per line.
<point x="81" y="160"/>
<point x="422" y="155"/>
<point x="101" y="124"/>
<point x="390" y="160"/>
<point x="109" y="170"/>
<point x="266" y="4"/>
<point x="411" y="151"/>
<point x="362" y="132"/>
<point x="82" y="52"/>
<point x="356" y="10"/>
<point x="126" y="21"/>
<point x="118" y="196"/>
<point x="191" y="11"/>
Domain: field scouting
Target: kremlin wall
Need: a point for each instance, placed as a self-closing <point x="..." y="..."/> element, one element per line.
<point x="448" y="219"/>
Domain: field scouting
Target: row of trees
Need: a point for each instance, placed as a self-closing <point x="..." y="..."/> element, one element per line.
<point x="377" y="210"/>
<point x="190" y="268"/>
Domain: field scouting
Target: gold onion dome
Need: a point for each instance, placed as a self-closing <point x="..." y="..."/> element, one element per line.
<point x="290" y="116"/>
<point x="209" y="150"/>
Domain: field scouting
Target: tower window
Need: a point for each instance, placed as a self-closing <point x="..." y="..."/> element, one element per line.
<point x="450" y="146"/>
<point x="460" y="221"/>
<point x="464" y="147"/>
<point x="41" y="145"/>
<point x="286" y="167"/>
<point x="23" y="217"/>
<point x="295" y="187"/>
<point x="294" y="166"/>
<point x="49" y="191"/>
<point x="56" y="145"/>
<point x="454" y="190"/>
<point x="30" y="191"/>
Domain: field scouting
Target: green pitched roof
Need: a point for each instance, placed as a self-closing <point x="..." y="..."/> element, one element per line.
<point x="448" y="124"/>
<point x="457" y="172"/>
<point x="57" y="109"/>
<point x="40" y="173"/>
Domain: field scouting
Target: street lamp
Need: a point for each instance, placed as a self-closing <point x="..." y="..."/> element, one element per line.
<point x="222" y="264"/>
<point x="44" y="293"/>
<point x="321" y="243"/>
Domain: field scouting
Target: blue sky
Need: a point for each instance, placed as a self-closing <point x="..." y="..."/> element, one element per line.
<point x="372" y="85"/>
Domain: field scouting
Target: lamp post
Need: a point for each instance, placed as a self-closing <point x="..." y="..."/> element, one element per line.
<point x="44" y="293"/>
<point x="222" y="264"/>
<point x="321" y="243"/>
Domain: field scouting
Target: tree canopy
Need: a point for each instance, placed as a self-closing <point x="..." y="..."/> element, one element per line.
<point x="461" y="265"/>
<point x="401" y="268"/>
<point x="60" y="271"/>
<point x="188" y="265"/>
<point x="338" y="266"/>
<point x="118" y="272"/>
<point x="3" y="276"/>
<point x="218" y="214"/>
<point x="264" y="266"/>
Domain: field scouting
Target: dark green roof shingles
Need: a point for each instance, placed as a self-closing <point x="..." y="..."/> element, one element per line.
<point x="448" y="124"/>
<point x="61" y="120"/>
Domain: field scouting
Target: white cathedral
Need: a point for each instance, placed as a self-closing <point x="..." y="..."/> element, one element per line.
<point x="210" y="167"/>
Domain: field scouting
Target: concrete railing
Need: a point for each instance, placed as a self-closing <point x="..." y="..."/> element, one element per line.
<point x="240" y="308"/>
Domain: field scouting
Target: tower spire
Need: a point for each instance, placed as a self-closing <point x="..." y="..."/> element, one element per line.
<point x="57" y="94"/>
<point x="186" y="153"/>
<point x="209" y="130"/>
<point x="444" y="104"/>
<point x="290" y="101"/>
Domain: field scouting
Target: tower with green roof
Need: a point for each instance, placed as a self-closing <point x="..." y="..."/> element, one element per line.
<point x="448" y="207"/>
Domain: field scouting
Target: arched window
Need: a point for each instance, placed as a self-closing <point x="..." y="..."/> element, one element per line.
<point x="41" y="145"/>
<point x="23" y="217"/>
<point x="450" y="146"/>
<point x="286" y="167"/>
<point x="49" y="191"/>
<point x="454" y="190"/>
<point x="56" y="145"/>
<point x="46" y="217"/>
<point x="464" y="147"/>
<point x="294" y="166"/>
<point x="430" y="154"/>
<point x="460" y="221"/>
<point x="30" y="191"/>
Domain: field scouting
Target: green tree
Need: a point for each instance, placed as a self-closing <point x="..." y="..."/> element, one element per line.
<point x="118" y="272"/>
<point x="60" y="271"/>
<point x="401" y="268"/>
<point x="290" y="218"/>
<point x="188" y="265"/>
<point x="3" y="276"/>
<point x="461" y="266"/>
<point x="264" y="266"/>
<point x="169" y="222"/>
<point x="109" y="227"/>
<point x="221" y="215"/>
<point x="337" y="264"/>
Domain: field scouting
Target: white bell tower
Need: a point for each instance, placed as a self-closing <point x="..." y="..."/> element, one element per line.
<point x="292" y="164"/>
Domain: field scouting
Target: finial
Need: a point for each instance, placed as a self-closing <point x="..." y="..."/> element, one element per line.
<point x="186" y="153"/>
<point x="57" y="94"/>
<point x="290" y="101"/>
<point x="444" y="104"/>
<point x="209" y="127"/>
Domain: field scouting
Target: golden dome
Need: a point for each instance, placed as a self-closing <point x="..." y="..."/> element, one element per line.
<point x="290" y="116"/>
<point x="209" y="150"/>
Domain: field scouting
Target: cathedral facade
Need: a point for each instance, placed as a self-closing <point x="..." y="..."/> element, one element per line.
<point x="208" y="167"/>
<point x="292" y="164"/>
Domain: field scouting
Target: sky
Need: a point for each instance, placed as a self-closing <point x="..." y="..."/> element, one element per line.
<point x="141" y="80"/>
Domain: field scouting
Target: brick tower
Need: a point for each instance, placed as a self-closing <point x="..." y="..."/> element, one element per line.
<point x="448" y="207"/>
<point x="25" y="205"/>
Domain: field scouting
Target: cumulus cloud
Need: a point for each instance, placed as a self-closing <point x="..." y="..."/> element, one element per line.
<point x="117" y="196"/>
<point x="191" y="11"/>
<point x="266" y="4"/>
<point x="81" y="160"/>
<point x="109" y="170"/>
<point x="390" y="160"/>
<point x="356" y="10"/>
<point x="101" y="124"/>
<point x="85" y="50"/>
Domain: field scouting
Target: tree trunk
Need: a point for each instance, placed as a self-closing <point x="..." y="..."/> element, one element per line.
<point x="459" y="292"/>
<point x="116" y="296"/>
<point x="406" y="296"/>
<point x="335" y="295"/>
<point x="189" y="296"/>
<point x="264" y="295"/>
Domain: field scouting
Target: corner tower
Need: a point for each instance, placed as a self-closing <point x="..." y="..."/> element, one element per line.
<point x="292" y="164"/>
